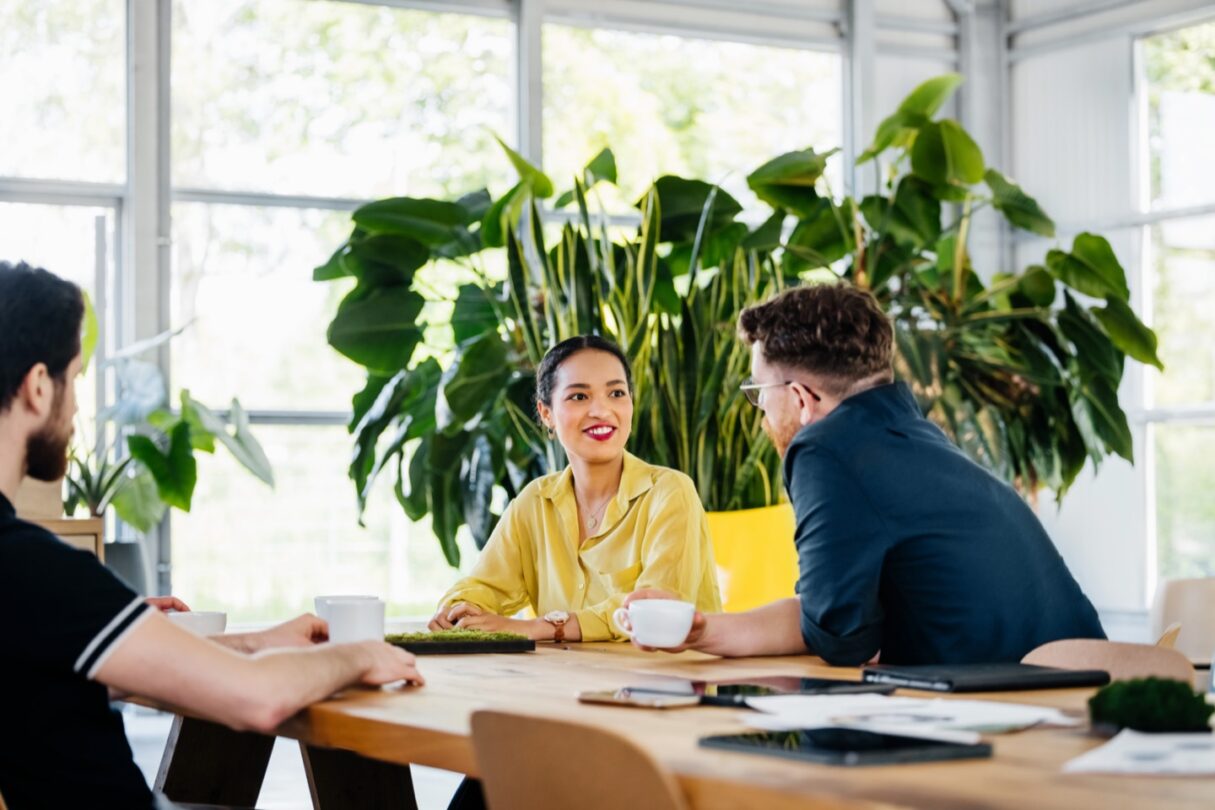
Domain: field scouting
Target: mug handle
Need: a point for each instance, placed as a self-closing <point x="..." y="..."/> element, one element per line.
<point x="620" y="617"/>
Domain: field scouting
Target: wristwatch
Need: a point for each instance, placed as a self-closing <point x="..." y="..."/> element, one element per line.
<point x="557" y="618"/>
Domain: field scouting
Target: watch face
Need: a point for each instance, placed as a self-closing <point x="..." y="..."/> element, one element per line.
<point x="557" y="616"/>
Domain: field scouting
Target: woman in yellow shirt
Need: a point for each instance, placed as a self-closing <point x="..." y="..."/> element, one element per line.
<point x="573" y="544"/>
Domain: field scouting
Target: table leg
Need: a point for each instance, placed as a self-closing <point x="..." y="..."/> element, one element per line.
<point x="206" y="763"/>
<point x="343" y="780"/>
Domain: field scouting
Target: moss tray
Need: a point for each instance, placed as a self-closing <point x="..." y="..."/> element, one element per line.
<point x="457" y="642"/>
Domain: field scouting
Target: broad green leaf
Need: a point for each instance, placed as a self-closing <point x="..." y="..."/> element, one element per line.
<point x="819" y="239"/>
<point x="175" y="471"/>
<point x="719" y="245"/>
<point x="1094" y="351"/>
<point x="1128" y="332"/>
<point x="1038" y="286"/>
<point x="682" y="203"/>
<point x="88" y="334"/>
<point x="138" y="502"/>
<point x="916" y="110"/>
<point x="361" y="402"/>
<point x="431" y="222"/>
<point x="1019" y="208"/>
<point x="474" y="313"/>
<point x="768" y="235"/>
<point x="473" y="381"/>
<point x="1108" y="419"/>
<point x="529" y="175"/>
<point x="478" y="474"/>
<point x="601" y="168"/>
<point x="476" y="205"/>
<point x="898" y="129"/>
<point x="1090" y="268"/>
<point x="333" y="268"/>
<point x="944" y="153"/>
<point x="378" y="331"/>
<point x="385" y="260"/>
<point x="915" y="219"/>
<point x="502" y="216"/>
<point x="789" y="181"/>
<point x="240" y="442"/>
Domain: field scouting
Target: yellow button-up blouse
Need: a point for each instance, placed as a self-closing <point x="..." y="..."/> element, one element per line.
<point x="653" y="535"/>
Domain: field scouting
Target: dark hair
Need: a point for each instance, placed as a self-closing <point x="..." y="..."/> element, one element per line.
<point x="834" y="331"/>
<point x="40" y="319"/>
<point x="546" y="373"/>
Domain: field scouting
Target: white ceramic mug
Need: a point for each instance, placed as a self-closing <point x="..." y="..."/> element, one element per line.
<point x="200" y="622"/>
<point x="321" y="603"/>
<point x="656" y="622"/>
<point x="355" y="620"/>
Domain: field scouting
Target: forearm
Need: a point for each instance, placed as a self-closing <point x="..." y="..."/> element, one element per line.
<point x="773" y="629"/>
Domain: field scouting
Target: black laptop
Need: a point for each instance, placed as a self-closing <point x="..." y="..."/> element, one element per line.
<point x="982" y="677"/>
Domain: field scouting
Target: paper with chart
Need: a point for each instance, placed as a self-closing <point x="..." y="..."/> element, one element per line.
<point x="1190" y="754"/>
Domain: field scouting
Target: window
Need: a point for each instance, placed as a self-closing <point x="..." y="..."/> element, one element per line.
<point x="666" y="104"/>
<point x="1178" y="78"/>
<point x="286" y="114"/>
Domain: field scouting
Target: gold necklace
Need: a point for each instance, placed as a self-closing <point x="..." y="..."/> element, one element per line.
<point x="593" y="519"/>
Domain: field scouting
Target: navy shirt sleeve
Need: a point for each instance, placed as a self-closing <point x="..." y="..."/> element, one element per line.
<point x="841" y="545"/>
<point x="67" y="610"/>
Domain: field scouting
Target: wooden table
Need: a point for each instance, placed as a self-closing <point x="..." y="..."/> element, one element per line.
<point x="430" y="726"/>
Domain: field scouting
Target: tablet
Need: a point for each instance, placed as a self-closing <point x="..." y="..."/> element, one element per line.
<point x="735" y="693"/>
<point x="846" y="746"/>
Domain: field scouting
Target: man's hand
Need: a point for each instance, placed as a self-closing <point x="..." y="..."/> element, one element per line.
<point x="447" y="616"/>
<point x="699" y="622"/>
<point x="387" y="664"/>
<point x="166" y="603"/>
<point x="302" y="631"/>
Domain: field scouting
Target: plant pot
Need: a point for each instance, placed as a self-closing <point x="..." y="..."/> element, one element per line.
<point x="39" y="500"/>
<point x="125" y="559"/>
<point x="756" y="557"/>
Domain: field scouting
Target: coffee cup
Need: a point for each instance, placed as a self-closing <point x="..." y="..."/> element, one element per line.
<point x="656" y="622"/>
<point x="358" y="619"/>
<point x="321" y="603"/>
<point x="200" y="622"/>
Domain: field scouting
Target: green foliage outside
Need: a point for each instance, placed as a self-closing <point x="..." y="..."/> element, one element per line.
<point x="1022" y="372"/>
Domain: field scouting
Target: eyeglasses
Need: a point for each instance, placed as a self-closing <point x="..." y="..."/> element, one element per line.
<point x="751" y="389"/>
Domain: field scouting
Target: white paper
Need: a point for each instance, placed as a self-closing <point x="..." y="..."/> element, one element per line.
<point x="894" y="715"/>
<point x="1134" y="752"/>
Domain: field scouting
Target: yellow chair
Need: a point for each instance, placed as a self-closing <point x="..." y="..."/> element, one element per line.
<point x="756" y="558"/>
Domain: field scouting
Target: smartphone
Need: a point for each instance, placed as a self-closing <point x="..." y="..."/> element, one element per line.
<point x="846" y="746"/>
<point x="638" y="697"/>
<point x="735" y="693"/>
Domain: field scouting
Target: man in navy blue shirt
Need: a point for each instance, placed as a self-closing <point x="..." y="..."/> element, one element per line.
<point x="906" y="547"/>
<point x="74" y="634"/>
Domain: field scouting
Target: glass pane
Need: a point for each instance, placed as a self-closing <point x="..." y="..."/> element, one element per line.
<point x="1183" y="253"/>
<point x="337" y="98"/>
<point x="62" y="239"/>
<point x="255" y="320"/>
<point x="665" y="104"/>
<point x="1181" y="115"/>
<point x="1185" y="510"/>
<point x="262" y="554"/>
<point x="63" y="81"/>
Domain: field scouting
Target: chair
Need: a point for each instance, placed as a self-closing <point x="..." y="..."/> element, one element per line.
<point x="1120" y="659"/>
<point x="1190" y="602"/>
<point x="1168" y="639"/>
<point x="525" y="765"/>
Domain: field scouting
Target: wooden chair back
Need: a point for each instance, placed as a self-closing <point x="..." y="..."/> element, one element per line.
<point x="1120" y="659"/>
<point x="1168" y="639"/>
<point x="525" y="764"/>
<point x="1190" y="603"/>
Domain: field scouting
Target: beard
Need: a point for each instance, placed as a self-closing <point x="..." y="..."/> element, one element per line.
<point x="780" y="435"/>
<point x="46" y="456"/>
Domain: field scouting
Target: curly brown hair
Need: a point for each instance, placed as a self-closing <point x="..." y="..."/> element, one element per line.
<point x="834" y="331"/>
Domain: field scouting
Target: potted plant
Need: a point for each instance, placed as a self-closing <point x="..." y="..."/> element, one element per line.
<point x="1024" y="385"/>
<point x="149" y="465"/>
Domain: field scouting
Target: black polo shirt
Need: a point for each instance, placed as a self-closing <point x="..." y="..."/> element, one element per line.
<point x="62" y="614"/>
<point x="907" y="546"/>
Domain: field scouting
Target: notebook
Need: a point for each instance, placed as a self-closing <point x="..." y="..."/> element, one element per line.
<point x="982" y="677"/>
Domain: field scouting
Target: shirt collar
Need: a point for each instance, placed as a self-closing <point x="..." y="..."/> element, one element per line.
<point x="635" y="479"/>
<point x="6" y="507"/>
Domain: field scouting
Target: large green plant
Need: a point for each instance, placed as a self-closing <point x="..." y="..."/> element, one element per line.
<point x="1025" y="386"/>
<point x="1022" y="370"/>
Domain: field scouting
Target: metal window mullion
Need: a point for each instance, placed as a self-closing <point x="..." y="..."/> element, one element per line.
<point x="529" y="79"/>
<point x="264" y="200"/>
<point x="861" y="91"/>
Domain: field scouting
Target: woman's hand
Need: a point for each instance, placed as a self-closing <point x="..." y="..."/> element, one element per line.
<point x="536" y="629"/>
<point x="447" y="616"/>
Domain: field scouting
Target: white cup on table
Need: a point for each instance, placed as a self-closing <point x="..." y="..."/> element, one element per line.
<point x="656" y="622"/>
<point x="200" y="622"/>
<point x="321" y="603"/>
<point x="355" y="619"/>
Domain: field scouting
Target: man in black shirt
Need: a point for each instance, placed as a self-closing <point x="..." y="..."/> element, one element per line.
<point x="905" y="546"/>
<point x="73" y="632"/>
